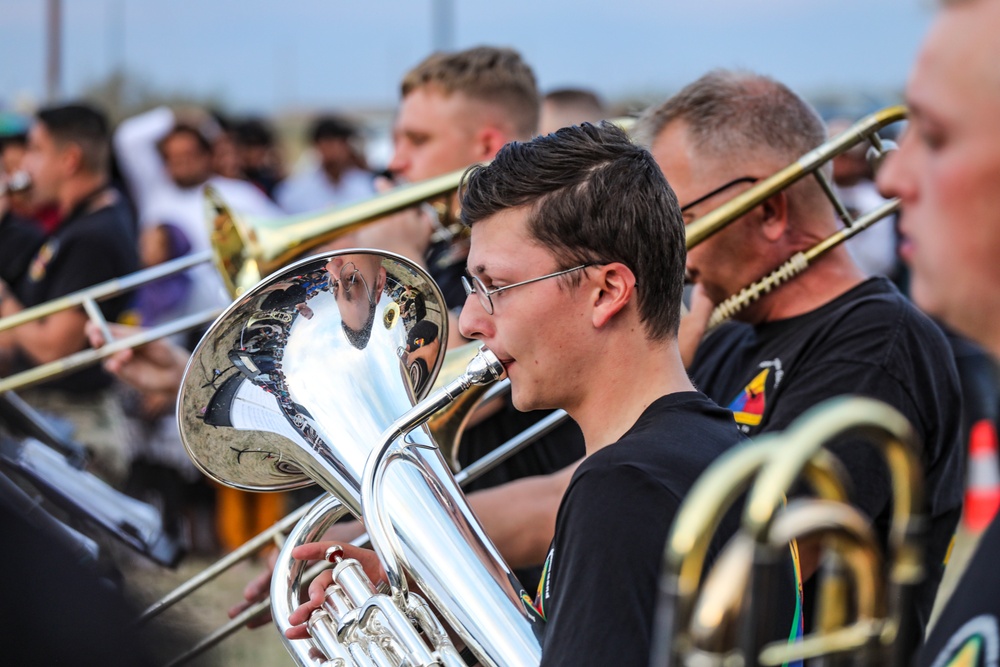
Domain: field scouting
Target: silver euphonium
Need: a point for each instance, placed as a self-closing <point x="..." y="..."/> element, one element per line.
<point x="312" y="376"/>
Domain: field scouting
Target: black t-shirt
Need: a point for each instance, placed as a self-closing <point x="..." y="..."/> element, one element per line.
<point x="968" y="630"/>
<point x="19" y="240"/>
<point x="871" y="342"/>
<point x="95" y="243"/>
<point x="599" y="590"/>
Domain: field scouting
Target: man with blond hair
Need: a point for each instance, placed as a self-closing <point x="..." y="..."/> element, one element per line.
<point x="946" y="174"/>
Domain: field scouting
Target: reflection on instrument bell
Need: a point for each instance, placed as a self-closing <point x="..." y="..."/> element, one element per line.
<point x="325" y="397"/>
<point x="297" y="379"/>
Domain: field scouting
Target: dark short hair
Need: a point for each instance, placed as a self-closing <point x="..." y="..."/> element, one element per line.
<point x="594" y="197"/>
<point x="331" y="127"/>
<point x="254" y="132"/>
<point x="84" y="126"/>
<point x="496" y="76"/>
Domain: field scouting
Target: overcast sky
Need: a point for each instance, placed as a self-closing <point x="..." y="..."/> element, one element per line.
<point x="270" y="56"/>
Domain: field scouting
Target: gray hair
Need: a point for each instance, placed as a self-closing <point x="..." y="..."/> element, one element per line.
<point x="734" y="113"/>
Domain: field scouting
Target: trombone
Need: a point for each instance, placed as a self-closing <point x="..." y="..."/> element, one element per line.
<point x="712" y="619"/>
<point x="244" y="251"/>
<point x="865" y="130"/>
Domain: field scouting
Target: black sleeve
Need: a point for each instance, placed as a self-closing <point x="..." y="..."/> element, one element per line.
<point x="19" y="240"/>
<point x="612" y="530"/>
<point x="967" y="631"/>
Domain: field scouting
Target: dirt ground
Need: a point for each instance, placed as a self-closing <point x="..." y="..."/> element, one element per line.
<point x="205" y="610"/>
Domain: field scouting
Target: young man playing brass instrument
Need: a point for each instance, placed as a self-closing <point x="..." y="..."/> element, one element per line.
<point x="576" y="271"/>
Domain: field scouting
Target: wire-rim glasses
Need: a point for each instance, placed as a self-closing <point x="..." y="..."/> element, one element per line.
<point x="473" y="285"/>
<point x="349" y="278"/>
<point x="718" y="190"/>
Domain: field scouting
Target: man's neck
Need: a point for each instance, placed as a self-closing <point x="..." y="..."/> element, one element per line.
<point x="76" y="190"/>
<point x="334" y="173"/>
<point x="827" y="279"/>
<point x="622" y="385"/>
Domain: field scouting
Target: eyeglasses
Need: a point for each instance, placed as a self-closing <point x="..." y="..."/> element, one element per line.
<point x="349" y="278"/>
<point x="485" y="294"/>
<point x="721" y="188"/>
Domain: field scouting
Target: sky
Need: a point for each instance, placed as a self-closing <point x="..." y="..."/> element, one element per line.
<point x="268" y="57"/>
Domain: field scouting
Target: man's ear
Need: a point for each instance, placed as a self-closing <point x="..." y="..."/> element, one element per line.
<point x="774" y="217"/>
<point x="614" y="288"/>
<point x="71" y="158"/>
<point x="489" y="140"/>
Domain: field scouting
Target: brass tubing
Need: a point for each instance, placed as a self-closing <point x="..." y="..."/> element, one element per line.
<point x="719" y="218"/>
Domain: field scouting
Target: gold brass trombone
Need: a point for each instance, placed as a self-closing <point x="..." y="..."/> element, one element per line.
<point x="243" y="251"/>
<point x="865" y="130"/>
<point x="811" y="163"/>
<point x="714" y="618"/>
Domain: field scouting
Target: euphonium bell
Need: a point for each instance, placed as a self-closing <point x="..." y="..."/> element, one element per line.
<point x="300" y="379"/>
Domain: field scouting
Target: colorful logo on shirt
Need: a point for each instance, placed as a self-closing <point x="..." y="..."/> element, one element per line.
<point x="748" y="407"/>
<point x="44" y="256"/>
<point x="975" y="644"/>
<point x="543" y="584"/>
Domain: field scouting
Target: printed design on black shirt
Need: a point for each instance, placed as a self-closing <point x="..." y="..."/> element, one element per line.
<point x="544" y="591"/>
<point x="975" y="644"/>
<point x="748" y="407"/>
<point x="44" y="256"/>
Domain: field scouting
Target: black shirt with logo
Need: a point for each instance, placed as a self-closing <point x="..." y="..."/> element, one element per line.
<point x="94" y="243"/>
<point x="599" y="588"/>
<point x="871" y="342"/>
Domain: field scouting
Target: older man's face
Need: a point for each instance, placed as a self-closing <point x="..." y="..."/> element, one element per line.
<point x="730" y="259"/>
<point x="947" y="171"/>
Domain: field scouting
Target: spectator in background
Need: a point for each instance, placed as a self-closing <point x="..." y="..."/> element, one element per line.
<point x="68" y="161"/>
<point x="874" y="250"/>
<point x="570" y="106"/>
<point x="20" y="234"/>
<point x="257" y="154"/>
<point x="341" y="175"/>
<point x="166" y="160"/>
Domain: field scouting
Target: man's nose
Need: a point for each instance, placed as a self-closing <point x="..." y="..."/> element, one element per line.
<point x="474" y="322"/>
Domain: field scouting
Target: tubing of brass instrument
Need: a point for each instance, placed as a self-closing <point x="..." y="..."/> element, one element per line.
<point x="472" y="472"/>
<point x="895" y="438"/>
<point x="483" y="369"/>
<point x="84" y="358"/>
<point x="250" y="249"/>
<point x="847" y="534"/>
<point x="87" y="298"/>
<point x="797" y="264"/>
<point x="722" y="216"/>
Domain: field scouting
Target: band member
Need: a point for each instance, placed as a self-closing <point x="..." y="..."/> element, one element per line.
<point x="828" y="332"/>
<point x="575" y="280"/>
<point x="946" y="173"/>
<point x="67" y="159"/>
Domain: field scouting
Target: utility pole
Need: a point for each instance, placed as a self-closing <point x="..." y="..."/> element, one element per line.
<point x="443" y="25"/>
<point x="53" y="56"/>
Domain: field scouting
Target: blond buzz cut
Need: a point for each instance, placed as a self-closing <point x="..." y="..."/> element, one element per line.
<point x="495" y="76"/>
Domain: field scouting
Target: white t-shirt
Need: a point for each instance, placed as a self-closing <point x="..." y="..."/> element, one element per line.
<point x="312" y="190"/>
